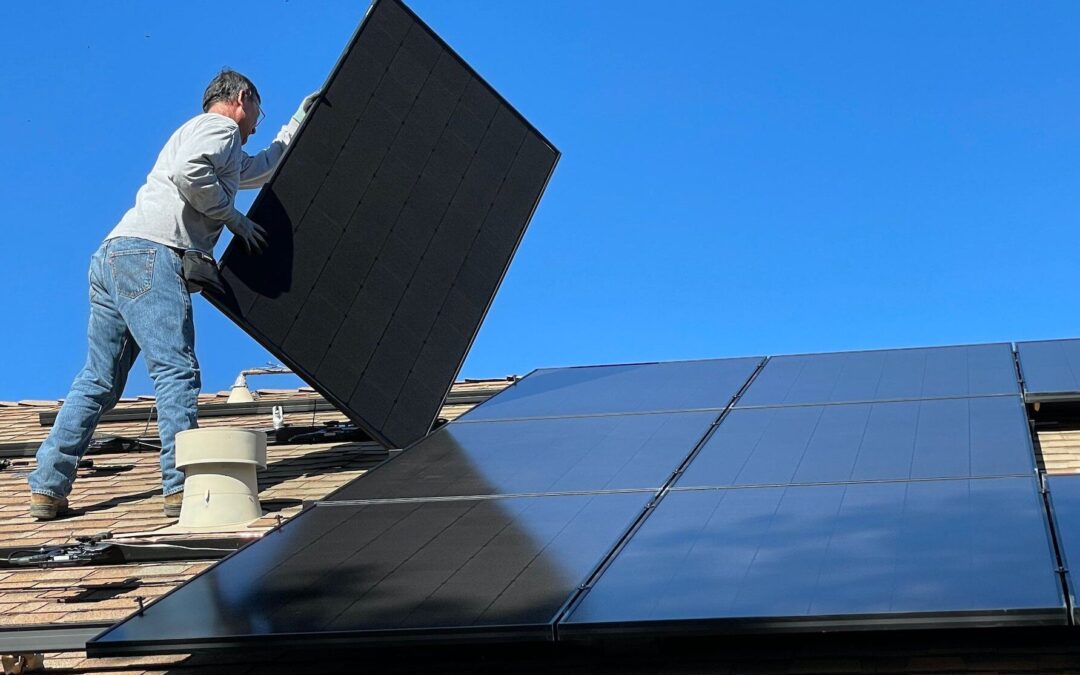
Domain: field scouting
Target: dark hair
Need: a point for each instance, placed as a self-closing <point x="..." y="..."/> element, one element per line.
<point x="226" y="86"/>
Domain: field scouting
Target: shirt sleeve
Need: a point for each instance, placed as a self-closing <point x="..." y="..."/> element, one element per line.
<point x="204" y="155"/>
<point x="256" y="169"/>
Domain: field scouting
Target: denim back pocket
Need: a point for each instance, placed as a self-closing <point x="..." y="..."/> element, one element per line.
<point x="132" y="271"/>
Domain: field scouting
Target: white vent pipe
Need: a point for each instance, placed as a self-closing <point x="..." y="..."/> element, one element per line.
<point x="220" y="488"/>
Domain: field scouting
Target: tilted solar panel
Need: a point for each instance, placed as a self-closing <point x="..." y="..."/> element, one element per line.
<point x="392" y="220"/>
<point x="1051" y="370"/>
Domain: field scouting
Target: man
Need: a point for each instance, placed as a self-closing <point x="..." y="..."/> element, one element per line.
<point x="139" y="300"/>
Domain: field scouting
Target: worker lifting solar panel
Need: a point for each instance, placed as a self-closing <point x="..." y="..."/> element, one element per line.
<point x="1064" y="494"/>
<point x="895" y="374"/>
<point x="1051" y="370"/>
<point x="379" y="573"/>
<point x="392" y="220"/>
<point x="855" y="556"/>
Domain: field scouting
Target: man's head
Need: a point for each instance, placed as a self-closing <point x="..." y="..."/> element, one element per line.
<point x="234" y="96"/>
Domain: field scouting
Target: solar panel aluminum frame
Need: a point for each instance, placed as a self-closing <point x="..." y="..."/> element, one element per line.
<point x="224" y="304"/>
<point x="817" y="624"/>
<point x="1061" y="542"/>
<point x="323" y="639"/>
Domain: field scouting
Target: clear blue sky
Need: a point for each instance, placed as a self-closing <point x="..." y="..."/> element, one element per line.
<point x="737" y="178"/>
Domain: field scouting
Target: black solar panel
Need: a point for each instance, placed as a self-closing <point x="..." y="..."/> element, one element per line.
<point x="634" y="388"/>
<point x="977" y="370"/>
<point x="1051" y="370"/>
<point x="913" y="554"/>
<point x="614" y="452"/>
<point x="392" y="220"/>
<point x="943" y="438"/>
<point x="385" y="572"/>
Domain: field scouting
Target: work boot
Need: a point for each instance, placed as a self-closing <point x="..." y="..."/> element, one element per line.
<point x="44" y="507"/>
<point x="173" y="503"/>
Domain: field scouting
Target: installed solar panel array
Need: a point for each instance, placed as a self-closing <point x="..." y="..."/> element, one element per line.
<point x="392" y="220"/>
<point x="889" y="488"/>
<point x="486" y="529"/>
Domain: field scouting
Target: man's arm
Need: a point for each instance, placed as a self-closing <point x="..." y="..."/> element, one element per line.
<point x="256" y="169"/>
<point x="201" y="158"/>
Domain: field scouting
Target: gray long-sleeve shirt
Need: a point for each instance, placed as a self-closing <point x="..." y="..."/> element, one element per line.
<point x="188" y="195"/>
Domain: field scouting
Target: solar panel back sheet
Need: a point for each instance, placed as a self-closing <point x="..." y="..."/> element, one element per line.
<point x="392" y="220"/>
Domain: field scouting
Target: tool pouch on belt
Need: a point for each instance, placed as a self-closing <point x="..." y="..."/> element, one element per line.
<point x="200" y="271"/>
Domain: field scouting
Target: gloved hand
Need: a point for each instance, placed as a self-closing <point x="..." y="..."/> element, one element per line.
<point x="249" y="233"/>
<point x="305" y="106"/>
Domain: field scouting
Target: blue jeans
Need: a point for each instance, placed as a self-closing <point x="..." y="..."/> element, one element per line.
<point x="138" y="302"/>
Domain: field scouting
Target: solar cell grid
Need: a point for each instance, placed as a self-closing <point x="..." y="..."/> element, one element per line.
<point x="618" y="389"/>
<point x="944" y="438"/>
<point x="1064" y="493"/>
<point x="536" y="456"/>
<point x="906" y="553"/>
<point x="897" y="374"/>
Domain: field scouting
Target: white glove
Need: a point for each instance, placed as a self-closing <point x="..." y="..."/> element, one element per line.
<point x="305" y="106"/>
<point x="249" y="233"/>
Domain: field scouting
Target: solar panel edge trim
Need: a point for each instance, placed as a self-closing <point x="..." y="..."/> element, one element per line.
<point x="841" y="622"/>
<point x="1061" y="544"/>
<point x="374" y="638"/>
<point x="899" y="349"/>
